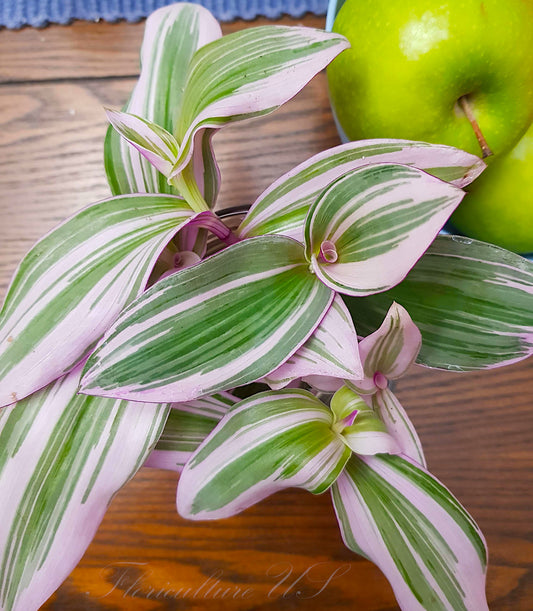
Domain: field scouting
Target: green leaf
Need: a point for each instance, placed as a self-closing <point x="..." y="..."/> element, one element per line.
<point x="155" y="144"/>
<point x="226" y="322"/>
<point x="473" y="303"/>
<point x="249" y="73"/>
<point x="274" y="440"/>
<point x="388" y="352"/>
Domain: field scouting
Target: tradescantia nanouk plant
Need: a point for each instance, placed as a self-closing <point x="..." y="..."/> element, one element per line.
<point x="123" y="342"/>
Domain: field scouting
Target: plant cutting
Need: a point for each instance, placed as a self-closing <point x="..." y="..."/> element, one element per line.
<point x="125" y="344"/>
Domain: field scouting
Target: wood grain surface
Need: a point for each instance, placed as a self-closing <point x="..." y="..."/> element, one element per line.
<point x="285" y="553"/>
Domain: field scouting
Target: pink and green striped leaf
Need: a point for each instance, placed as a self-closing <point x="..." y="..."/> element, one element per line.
<point x="360" y="427"/>
<point x="247" y="74"/>
<point x="386" y="355"/>
<point x="74" y="282"/>
<point x="63" y="456"/>
<point x="153" y="142"/>
<point x="331" y="351"/>
<point x="187" y="426"/>
<point x="225" y="322"/>
<point x="472" y="302"/>
<point x="205" y="167"/>
<point x="172" y="36"/>
<point x="393" y="348"/>
<point x="367" y="230"/>
<point x="282" y="208"/>
<point x="388" y="352"/>
<point x="368" y="435"/>
<point x="399" y="425"/>
<point x="274" y="440"/>
<point x="405" y="521"/>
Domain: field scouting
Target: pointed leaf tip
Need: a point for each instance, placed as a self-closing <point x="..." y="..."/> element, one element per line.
<point x="250" y="73"/>
<point x="153" y="142"/>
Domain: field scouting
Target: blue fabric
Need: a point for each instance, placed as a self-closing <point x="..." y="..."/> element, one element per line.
<point x="38" y="13"/>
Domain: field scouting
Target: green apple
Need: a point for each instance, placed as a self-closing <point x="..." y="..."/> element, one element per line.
<point x="416" y="66"/>
<point x="498" y="207"/>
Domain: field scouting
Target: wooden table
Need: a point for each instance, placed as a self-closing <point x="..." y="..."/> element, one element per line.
<point x="285" y="553"/>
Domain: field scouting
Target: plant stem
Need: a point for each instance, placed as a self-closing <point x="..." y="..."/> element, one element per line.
<point x="185" y="183"/>
<point x="467" y="109"/>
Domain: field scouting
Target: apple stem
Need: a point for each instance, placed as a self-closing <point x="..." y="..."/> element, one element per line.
<point x="467" y="109"/>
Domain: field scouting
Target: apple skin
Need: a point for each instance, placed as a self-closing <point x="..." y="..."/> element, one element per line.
<point x="498" y="207"/>
<point x="411" y="60"/>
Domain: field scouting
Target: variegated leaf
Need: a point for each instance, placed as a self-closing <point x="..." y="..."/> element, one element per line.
<point x="331" y="351"/>
<point x="388" y="352"/>
<point x="282" y="208"/>
<point x="404" y="520"/>
<point x="359" y="426"/>
<point x="73" y="283"/>
<point x="226" y="322"/>
<point x="393" y="348"/>
<point x="473" y="303"/>
<point x="250" y="73"/>
<point x="172" y="36"/>
<point x="63" y="456"/>
<point x="153" y="142"/>
<point x="399" y="425"/>
<point x="188" y="424"/>
<point x="368" y="435"/>
<point x="345" y="404"/>
<point x="205" y="166"/>
<point x="274" y="440"/>
<point x="369" y="228"/>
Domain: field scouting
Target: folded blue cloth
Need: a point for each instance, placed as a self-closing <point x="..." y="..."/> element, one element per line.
<point x="38" y="13"/>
